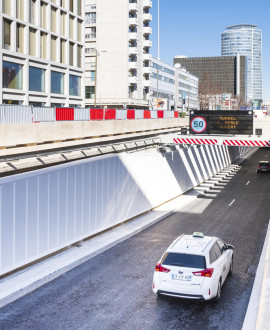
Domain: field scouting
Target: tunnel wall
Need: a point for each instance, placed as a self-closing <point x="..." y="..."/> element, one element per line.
<point x="46" y="210"/>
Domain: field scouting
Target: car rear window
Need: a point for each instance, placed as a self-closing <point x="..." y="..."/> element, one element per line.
<point x="263" y="164"/>
<point x="183" y="260"/>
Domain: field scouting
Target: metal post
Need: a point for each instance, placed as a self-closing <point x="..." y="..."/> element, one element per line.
<point x="157" y="88"/>
<point x="96" y="79"/>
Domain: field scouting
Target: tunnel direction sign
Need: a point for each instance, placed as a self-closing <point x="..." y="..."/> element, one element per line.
<point x="221" y="122"/>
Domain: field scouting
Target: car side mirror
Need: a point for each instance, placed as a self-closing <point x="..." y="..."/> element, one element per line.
<point x="230" y="247"/>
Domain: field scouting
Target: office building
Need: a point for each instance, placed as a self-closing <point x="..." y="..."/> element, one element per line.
<point x="219" y="74"/>
<point x="246" y="39"/>
<point x="41" y="53"/>
<point x="172" y="88"/>
<point x="117" y="58"/>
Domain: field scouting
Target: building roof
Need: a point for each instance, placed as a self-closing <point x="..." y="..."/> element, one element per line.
<point x="241" y="26"/>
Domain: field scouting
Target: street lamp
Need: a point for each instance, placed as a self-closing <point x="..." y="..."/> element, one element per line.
<point x="96" y="56"/>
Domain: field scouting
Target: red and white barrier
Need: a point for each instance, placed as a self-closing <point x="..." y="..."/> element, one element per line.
<point x="231" y="142"/>
<point x="196" y="141"/>
<point x="247" y="143"/>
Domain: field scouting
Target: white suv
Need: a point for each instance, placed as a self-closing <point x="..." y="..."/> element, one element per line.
<point x="194" y="267"/>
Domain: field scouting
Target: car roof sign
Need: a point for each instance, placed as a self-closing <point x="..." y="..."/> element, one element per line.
<point x="198" y="234"/>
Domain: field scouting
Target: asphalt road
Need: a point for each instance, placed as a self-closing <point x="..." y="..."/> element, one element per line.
<point x="113" y="290"/>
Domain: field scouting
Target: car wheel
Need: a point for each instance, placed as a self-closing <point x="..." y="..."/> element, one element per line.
<point x="231" y="268"/>
<point x="217" y="297"/>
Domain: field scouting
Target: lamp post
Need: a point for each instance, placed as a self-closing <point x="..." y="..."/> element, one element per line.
<point x="96" y="66"/>
<point x="158" y="57"/>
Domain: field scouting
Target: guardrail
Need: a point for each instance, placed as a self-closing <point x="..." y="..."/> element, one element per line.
<point x="29" y="114"/>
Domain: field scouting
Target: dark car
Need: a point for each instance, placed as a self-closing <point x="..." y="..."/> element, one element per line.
<point x="263" y="167"/>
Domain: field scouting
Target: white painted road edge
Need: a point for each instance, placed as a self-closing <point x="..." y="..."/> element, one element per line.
<point x="257" y="315"/>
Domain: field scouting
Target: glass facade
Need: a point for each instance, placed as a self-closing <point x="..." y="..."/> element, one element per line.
<point x="246" y="40"/>
<point x="36" y="79"/>
<point x="74" y="85"/>
<point x="57" y="82"/>
<point x="12" y="75"/>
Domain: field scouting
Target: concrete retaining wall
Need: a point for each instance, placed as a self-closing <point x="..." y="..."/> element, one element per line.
<point x="48" y="209"/>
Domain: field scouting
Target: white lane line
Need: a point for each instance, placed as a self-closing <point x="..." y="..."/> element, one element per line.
<point x="247" y="183"/>
<point x="232" y="202"/>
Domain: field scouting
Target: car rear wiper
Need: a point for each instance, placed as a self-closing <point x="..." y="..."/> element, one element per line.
<point x="180" y="265"/>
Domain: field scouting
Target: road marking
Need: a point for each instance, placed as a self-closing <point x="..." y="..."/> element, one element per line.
<point x="232" y="202"/>
<point x="247" y="183"/>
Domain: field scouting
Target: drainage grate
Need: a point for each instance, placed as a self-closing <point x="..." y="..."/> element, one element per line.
<point x="252" y="269"/>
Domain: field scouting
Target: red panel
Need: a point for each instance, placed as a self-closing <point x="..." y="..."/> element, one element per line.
<point x="64" y="114"/>
<point x="110" y="114"/>
<point x="96" y="114"/>
<point x="160" y="114"/>
<point x="147" y="114"/>
<point x="175" y="114"/>
<point x="131" y="114"/>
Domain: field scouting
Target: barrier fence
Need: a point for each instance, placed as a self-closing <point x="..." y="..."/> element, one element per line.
<point x="29" y="114"/>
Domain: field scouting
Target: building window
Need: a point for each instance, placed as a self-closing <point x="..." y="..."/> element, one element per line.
<point x="90" y="18"/>
<point x="57" y="82"/>
<point x="12" y="75"/>
<point x="36" y="79"/>
<point x="74" y="85"/>
<point x="32" y="11"/>
<point x="43" y="45"/>
<point x="54" y="20"/>
<point x="7" y="31"/>
<point x="54" y="48"/>
<point x="71" y="27"/>
<point x="20" y="38"/>
<point x="63" y="51"/>
<point x="79" y="56"/>
<point x="79" y="7"/>
<point x="79" y="31"/>
<point x="89" y="92"/>
<point x="63" y="23"/>
<point x="43" y="15"/>
<point x="20" y="9"/>
<point x="71" y="7"/>
<point x="32" y="42"/>
<point x="7" y="7"/>
<point x="71" y="53"/>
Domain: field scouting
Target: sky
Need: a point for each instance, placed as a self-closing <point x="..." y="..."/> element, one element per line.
<point x="193" y="28"/>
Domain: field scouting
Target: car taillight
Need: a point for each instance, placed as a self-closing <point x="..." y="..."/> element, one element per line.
<point x="259" y="166"/>
<point x="205" y="273"/>
<point x="161" y="269"/>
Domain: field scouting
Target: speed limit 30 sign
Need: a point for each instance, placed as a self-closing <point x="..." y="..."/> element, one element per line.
<point x="198" y="124"/>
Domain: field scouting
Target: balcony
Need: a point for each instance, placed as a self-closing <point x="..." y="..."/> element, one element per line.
<point x="147" y="43"/>
<point x="147" y="57"/>
<point x="132" y="79"/>
<point x="133" y="51"/>
<point x="133" y="36"/>
<point x="146" y="70"/>
<point x="133" y="7"/>
<point x="147" y="30"/>
<point x="146" y="83"/>
<point x="91" y="21"/>
<point x="132" y="65"/>
<point x="147" y="3"/>
<point x="147" y="17"/>
<point x="133" y="21"/>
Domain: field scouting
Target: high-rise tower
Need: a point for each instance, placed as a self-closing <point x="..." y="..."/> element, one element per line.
<point x="246" y="39"/>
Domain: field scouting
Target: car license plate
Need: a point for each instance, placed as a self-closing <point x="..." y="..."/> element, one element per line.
<point x="181" y="277"/>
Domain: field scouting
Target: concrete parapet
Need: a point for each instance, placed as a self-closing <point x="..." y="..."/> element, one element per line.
<point x="37" y="133"/>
